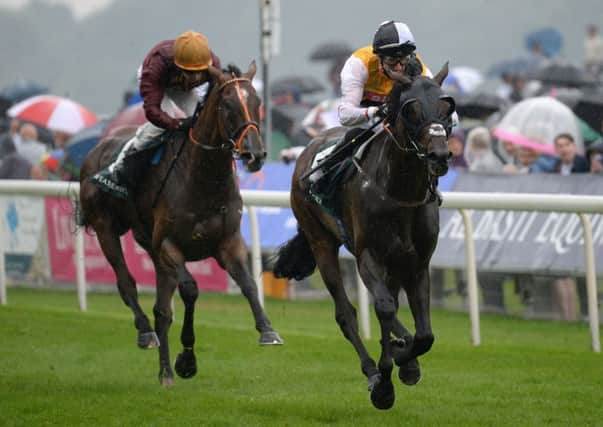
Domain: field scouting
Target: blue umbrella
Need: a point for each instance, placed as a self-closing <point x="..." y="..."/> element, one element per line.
<point x="80" y="145"/>
<point x="550" y="41"/>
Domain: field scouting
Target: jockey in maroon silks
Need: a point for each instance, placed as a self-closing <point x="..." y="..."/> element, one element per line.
<point x="174" y="75"/>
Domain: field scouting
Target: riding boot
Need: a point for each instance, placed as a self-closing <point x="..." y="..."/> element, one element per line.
<point x="342" y="151"/>
<point x="113" y="178"/>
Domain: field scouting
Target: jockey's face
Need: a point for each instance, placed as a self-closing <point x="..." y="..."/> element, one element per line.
<point x="190" y="79"/>
<point x="394" y="63"/>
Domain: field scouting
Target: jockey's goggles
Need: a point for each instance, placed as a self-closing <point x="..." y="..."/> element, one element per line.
<point x="392" y="61"/>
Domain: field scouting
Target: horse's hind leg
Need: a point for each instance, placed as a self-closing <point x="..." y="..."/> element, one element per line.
<point x="232" y="257"/>
<point x="111" y="247"/>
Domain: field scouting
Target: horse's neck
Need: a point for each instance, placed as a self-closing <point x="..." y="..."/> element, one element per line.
<point x="208" y="165"/>
<point x="402" y="176"/>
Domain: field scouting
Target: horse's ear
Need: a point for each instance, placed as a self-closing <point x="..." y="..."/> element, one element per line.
<point x="251" y="70"/>
<point x="216" y="74"/>
<point x="442" y="74"/>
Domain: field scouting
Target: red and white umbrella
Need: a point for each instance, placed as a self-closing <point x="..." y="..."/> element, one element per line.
<point x="54" y="112"/>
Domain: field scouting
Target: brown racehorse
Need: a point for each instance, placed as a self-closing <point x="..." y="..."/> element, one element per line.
<point x="390" y="221"/>
<point x="188" y="207"/>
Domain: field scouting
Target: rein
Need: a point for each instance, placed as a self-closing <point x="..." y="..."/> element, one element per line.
<point x="235" y="141"/>
<point x="431" y="192"/>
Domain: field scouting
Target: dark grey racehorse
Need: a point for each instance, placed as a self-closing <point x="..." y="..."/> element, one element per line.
<point x="389" y="211"/>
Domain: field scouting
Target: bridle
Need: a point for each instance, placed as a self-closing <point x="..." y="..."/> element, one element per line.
<point x="235" y="140"/>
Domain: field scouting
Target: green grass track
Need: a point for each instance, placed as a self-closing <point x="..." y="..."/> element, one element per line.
<point x="59" y="366"/>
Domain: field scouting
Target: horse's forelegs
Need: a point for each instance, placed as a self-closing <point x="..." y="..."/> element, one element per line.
<point x="418" y="299"/>
<point x="170" y="270"/>
<point x="345" y="313"/>
<point x="186" y="362"/>
<point x="401" y="347"/>
<point x="166" y="285"/>
<point x="373" y="275"/>
<point x="233" y="258"/>
<point x="111" y="247"/>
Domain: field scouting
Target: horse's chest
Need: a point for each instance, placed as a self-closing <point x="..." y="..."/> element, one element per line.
<point x="210" y="224"/>
<point x="391" y="237"/>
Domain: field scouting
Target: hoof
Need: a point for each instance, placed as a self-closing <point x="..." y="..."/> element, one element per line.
<point x="186" y="364"/>
<point x="401" y="348"/>
<point x="166" y="378"/>
<point x="271" y="338"/>
<point x="381" y="391"/>
<point x="148" y="340"/>
<point x="410" y="372"/>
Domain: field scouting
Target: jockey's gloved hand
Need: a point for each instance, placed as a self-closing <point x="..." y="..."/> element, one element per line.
<point x="382" y="111"/>
<point x="186" y="123"/>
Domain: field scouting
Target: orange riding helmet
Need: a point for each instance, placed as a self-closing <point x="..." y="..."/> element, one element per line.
<point x="191" y="51"/>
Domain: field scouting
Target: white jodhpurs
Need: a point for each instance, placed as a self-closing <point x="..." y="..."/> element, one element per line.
<point x="175" y="102"/>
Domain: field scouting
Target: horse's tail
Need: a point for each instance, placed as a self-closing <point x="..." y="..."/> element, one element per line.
<point x="295" y="260"/>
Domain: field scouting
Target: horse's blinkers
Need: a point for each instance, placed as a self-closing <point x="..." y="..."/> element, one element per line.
<point x="427" y="131"/>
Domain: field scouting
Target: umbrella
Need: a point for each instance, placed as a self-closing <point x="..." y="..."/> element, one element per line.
<point x="296" y="85"/>
<point x="131" y="116"/>
<point x="287" y="117"/>
<point x="562" y="74"/>
<point x="21" y="90"/>
<point x="549" y="40"/>
<point x="53" y="112"/>
<point x="535" y="122"/>
<point x="331" y="50"/>
<point x="590" y="109"/>
<point x="516" y="66"/>
<point x="80" y="144"/>
<point x="463" y="79"/>
<point x="479" y="105"/>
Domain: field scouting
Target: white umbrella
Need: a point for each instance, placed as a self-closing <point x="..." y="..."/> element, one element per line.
<point x="535" y="122"/>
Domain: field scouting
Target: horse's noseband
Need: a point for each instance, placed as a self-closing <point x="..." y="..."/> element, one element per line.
<point x="237" y="137"/>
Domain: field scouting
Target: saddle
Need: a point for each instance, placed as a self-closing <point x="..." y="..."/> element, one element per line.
<point x="337" y="170"/>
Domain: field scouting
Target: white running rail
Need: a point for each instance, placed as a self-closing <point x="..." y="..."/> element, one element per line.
<point x="581" y="205"/>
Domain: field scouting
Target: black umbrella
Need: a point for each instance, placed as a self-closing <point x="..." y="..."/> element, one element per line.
<point x="330" y="50"/>
<point x="478" y="105"/>
<point x="296" y="85"/>
<point x="21" y="90"/>
<point x="590" y="109"/>
<point x="286" y="118"/>
<point x="563" y="74"/>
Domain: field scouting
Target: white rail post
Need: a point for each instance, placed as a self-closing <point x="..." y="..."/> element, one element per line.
<point x="3" y="299"/>
<point x="591" y="282"/>
<point x="80" y="269"/>
<point x="471" y="278"/>
<point x="363" y="305"/>
<point x="256" y="253"/>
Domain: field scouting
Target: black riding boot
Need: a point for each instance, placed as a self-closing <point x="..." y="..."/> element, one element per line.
<point x="342" y="151"/>
<point x="113" y="178"/>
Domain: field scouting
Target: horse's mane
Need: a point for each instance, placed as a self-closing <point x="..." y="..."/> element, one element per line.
<point x="393" y="101"/>
<point x="233" y="70"/>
